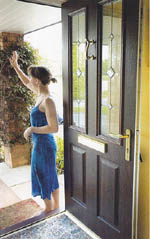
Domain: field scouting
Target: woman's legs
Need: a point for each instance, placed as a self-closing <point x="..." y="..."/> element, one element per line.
<point x="48" y="204"/>
<point x="55" y="196"/>
<point x="53" y="203"/>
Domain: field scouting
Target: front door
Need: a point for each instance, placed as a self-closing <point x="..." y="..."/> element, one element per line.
<point x="100" y="42"/>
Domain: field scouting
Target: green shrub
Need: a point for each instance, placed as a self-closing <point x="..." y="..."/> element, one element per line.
<point x="2" y="156"/>
<point x="16" y="99"/>
<point x="60" y="155"/>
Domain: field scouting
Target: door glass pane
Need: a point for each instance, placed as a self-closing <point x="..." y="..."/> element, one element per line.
<point x="111" y="65"/>
<point x="78" y="69"/>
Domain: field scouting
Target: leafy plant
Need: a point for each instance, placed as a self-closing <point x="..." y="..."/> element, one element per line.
<point x="15" y="98"/>
<point x="60" y="155"/>
<point x="1" y="154"/>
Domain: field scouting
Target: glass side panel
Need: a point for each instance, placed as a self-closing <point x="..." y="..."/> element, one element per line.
<point x="79" y="70"/>
<point x="111" y="65"/>
<point x="114" y="120"/>
<point x="105" y="119"/>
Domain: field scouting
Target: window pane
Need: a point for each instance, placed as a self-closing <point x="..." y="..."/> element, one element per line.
<point x="75" y="29"/>
<point x="114" y="121"/>
<point x="79" y="70"/>
<point x="105" y="119"/>
<point x="111" y="64"/>
<point x="105" y="90"/>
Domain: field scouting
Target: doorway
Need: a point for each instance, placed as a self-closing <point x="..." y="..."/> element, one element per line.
<point x="17" y="180"/>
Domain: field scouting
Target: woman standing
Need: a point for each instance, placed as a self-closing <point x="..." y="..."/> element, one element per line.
<point x="44" y="123"/>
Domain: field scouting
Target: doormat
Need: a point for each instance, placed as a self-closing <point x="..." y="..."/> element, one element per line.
<point x="59" y="227"/>
<point x="18" y="212"/>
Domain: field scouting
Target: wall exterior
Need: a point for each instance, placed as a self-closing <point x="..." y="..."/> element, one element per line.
<point x="18" y="154"/>
<point x="7" y="38"/>
<point x="144" y="180"/>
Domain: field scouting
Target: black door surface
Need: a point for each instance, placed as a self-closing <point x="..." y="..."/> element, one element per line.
<point x="100" y="42"/>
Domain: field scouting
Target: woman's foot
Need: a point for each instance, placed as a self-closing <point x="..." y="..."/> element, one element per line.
<point x="52" y="204"/>
<point x="49" y="204"/>
<point x="41" y="212"/>
<point x="56" y="207"/>
<point x="52" y="209"/>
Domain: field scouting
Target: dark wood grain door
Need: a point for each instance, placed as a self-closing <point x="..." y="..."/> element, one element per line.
<point x="100" y="42"/>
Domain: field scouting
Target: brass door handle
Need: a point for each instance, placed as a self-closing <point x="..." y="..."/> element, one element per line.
<point x="127" y="136"/>
<point x="89" y="43"/>
<point x="119" y="136"/>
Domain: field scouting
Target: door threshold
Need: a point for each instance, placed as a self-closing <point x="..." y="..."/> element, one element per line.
<point x="82" y="226"/>
<point x="55" y="213"/>
<point x="30" y="221"/>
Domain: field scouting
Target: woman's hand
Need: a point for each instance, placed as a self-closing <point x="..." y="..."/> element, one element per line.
<point x="14" y="59"/>
<point x="27" y="133"/>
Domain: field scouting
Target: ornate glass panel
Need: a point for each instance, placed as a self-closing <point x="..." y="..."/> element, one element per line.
<point x="79" y="69"/>
<point x="111" y="65"/>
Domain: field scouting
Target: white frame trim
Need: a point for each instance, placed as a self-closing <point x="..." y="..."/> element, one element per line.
<point x="137" y="127"/>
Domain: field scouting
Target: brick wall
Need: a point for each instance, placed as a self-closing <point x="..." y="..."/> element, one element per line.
<point x="7" y="38"/>
<point x="15" y="155"/>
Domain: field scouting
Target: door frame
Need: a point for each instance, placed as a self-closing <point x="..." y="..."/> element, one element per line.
<point x="137" y="123"/>
<point x="137" y="126"/>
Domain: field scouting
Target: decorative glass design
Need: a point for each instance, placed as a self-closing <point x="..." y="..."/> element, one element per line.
<point x="110" y="72"/>
<point x="79" y="73"/>
<point x="111" y="65"/>
<point x="79" y="70"/>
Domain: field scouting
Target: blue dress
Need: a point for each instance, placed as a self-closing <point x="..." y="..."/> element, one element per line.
<point x="43" y="158"/>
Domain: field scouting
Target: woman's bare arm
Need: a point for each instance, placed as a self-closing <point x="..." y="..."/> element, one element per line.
<point x="22" y="76"/>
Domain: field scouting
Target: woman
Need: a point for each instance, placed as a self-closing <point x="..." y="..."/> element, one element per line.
<point x="43" y="124"/>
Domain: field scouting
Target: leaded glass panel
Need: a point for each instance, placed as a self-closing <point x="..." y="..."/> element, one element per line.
<point x="111" y="64"/>
<point x="79" y="70"/>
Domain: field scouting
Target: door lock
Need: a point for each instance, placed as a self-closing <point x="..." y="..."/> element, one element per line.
<point x="127" y="136"/>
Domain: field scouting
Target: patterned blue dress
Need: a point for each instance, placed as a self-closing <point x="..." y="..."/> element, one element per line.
<point x="43" y="158"/>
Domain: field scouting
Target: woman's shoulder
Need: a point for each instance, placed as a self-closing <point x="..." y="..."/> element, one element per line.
<point x="49" y="101"/>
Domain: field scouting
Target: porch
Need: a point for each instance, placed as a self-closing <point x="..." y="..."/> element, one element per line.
<point x="18" y="180"/>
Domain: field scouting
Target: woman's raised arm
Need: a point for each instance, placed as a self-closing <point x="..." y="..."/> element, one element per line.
<point x="23" y="77"/>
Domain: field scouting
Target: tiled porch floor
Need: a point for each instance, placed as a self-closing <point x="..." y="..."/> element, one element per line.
<point x="18" y="179"/>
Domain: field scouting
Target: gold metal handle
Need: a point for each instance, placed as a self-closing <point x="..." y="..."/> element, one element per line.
<point x="119" y="136"/>
<point x="89" y="43"/>
<point x="127" y="137"/>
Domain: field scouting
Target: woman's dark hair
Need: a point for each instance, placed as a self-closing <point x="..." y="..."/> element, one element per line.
<point x="42" y="73"/>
